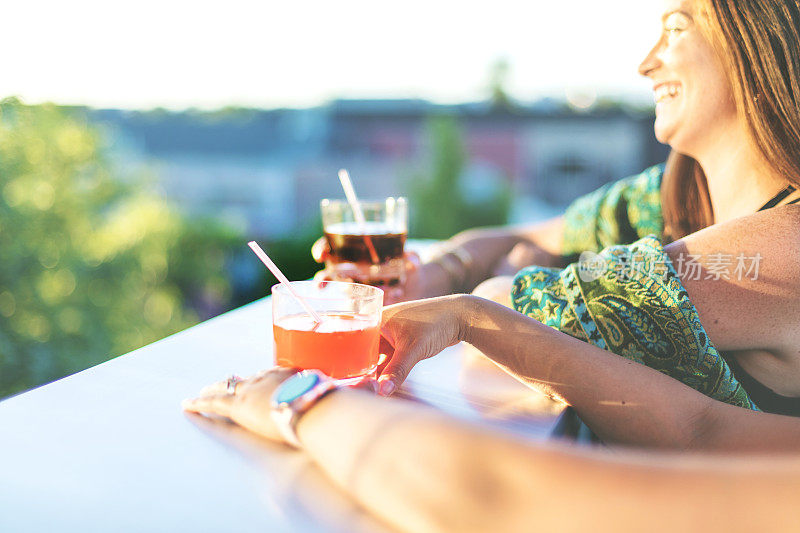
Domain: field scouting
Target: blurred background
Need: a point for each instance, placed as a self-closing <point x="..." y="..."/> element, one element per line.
<point x="141" y="145"/>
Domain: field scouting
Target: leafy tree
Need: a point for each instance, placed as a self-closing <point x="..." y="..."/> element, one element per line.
<point x="91" y="265"/>
<point x="439" y="207"/>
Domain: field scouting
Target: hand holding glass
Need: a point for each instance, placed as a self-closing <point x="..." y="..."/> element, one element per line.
<point x="345" y="344"/>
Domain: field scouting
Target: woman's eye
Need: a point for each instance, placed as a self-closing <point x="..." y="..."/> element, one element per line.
<point x="675" y="23"/>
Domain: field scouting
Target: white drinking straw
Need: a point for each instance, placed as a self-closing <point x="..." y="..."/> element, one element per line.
<point x="283" y="279"/>
<point x="352" y="199"/>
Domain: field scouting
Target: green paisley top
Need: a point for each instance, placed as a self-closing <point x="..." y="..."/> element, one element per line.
<point x="625" y="295"/>
<point x="618" y="213"/>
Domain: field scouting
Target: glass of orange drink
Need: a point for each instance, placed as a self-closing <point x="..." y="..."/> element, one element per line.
<point x="345" y="344"/>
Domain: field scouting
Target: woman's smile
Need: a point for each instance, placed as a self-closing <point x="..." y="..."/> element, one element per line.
<point x="694" y="100"/>
<point x="667" y="91"/>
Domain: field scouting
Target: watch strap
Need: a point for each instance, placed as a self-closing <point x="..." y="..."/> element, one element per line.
<point x="288" y="405"/>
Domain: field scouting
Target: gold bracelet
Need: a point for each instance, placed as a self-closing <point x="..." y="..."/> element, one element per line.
<point x="453" y="275"/>
<point x="458" y="273"/>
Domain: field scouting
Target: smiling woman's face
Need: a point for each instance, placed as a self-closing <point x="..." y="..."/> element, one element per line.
<point x="694" y="102"/>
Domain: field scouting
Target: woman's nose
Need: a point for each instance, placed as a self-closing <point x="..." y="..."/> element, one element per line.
<point x="651" y="61"/>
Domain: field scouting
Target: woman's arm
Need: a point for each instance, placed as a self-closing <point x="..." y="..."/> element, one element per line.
<point x="470" y="257"/>
<point x="630" y="403"/>
<point x="422" y="471"/>
<point x="490" y="251"/>
<point x="624" y="402"/>
<point x="419" y="470"/>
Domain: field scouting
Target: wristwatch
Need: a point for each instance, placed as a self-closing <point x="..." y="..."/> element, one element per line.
<point x="294" y="397"/>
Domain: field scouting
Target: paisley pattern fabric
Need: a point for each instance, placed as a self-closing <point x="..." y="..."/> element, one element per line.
<point x="627" y="299"/>
<point x="618" y="213"/>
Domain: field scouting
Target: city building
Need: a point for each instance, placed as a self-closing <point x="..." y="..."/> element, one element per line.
<point x="266" y="170"/>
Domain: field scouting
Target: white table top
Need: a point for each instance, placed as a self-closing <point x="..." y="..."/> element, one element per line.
<point x="109" y="449"/>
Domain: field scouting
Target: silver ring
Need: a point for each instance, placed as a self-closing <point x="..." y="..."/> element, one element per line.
<point x="233" y="380"/>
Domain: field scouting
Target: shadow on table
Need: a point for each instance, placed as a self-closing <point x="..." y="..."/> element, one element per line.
<point x="291" y="485"/>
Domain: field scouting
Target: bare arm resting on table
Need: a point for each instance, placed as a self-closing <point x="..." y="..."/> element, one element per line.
<point x="422" y="471"/>
<point x="626" y="402"/>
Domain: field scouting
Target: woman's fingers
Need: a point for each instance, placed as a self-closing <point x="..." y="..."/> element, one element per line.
<point x="248" y="404"/>
<point x="217" y="396"/>
<point x="385" y="350"/>
<point x="416" y="330"/>
<point x="214" y="403"/>
<point x="322" y="275"/>
<point x="320" y="250"/>
<point x="385" y="346"/>
<point x="398" y="367"/>
<point x="221" y="387"/>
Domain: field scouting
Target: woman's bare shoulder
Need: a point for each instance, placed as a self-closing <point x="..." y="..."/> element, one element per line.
<point x="744" y="278"/>
<point x="773" y="234"/>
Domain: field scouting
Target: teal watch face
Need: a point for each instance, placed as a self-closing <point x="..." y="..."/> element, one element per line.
<point x="296" y="386"/>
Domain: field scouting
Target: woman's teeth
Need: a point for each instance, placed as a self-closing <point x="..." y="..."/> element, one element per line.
<point x="669" y="90"/>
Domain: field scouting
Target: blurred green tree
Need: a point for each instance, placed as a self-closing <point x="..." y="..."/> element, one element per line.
<point x="439" y="206"/>
<point x="91" y="266"/>
<point x="499" y="98"/>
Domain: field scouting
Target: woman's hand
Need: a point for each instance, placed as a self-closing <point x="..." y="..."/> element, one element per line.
<point x="413" y="331"/>
<point x="320" y="250"/>
<point x="411" y="289"/>
<point x="250" y="404"/>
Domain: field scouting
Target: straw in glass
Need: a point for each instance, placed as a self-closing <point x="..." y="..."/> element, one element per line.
<point x="283" y="279"/>
<point x="352" y="199"/>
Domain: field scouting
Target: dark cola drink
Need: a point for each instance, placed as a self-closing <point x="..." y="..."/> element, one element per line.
<point x="350" y="243"/>
<point x="371" y="253"/>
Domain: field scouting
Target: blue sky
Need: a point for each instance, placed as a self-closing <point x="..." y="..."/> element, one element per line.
<point x="178" y="54"/>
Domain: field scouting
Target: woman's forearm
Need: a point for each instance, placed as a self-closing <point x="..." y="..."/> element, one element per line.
<point x="419" y="470"/>
<point x="486" y="248"/>
<point x="622" y="401"/>
<point x="412" y="466"/>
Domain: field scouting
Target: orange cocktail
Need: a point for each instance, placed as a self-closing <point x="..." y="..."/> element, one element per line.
<point x="344" y="344"/>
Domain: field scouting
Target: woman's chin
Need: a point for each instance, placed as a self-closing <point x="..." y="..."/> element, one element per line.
<point x="664" y="133"/>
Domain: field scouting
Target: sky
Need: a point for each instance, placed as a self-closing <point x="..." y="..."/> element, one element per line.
<point x="300" y="53"/>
